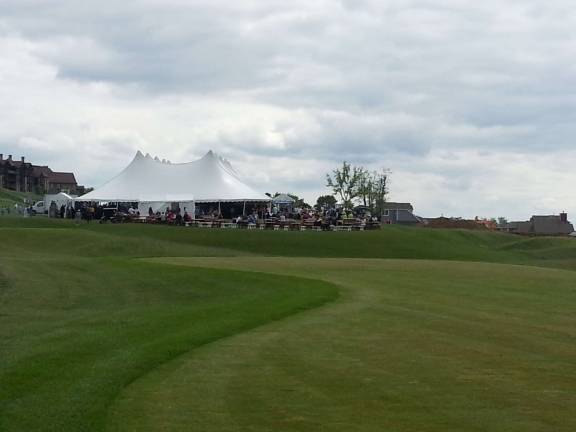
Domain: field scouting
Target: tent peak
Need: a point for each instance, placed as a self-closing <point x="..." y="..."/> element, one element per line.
<point x="139" y="155"/>
<point x="145" y="179"/>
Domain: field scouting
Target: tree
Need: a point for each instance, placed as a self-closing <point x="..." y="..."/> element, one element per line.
<point x="344" y="183"/>
<point x="379" y="191"/>
<point x="325" y="201"/>
<point x="299" y="202"/>
<point x="365" y="187"/>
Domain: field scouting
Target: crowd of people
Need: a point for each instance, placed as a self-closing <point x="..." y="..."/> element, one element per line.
<point x="323" y="218"/>
<point x="170" y="216"/>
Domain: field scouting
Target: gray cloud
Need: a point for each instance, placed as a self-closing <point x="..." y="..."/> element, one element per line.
<point x="397" y="84"/>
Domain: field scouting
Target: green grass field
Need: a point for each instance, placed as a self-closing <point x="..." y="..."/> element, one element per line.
<point x="146" y="328"/>
<point x="8" y="198"/>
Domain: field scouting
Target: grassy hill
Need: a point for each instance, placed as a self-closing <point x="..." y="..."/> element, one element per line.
<point x="147" y="328"/>
<point x="8" y="198"/>
<point x="391" y="242"/>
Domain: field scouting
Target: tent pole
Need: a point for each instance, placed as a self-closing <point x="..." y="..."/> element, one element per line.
<point x="219" y="210"/>
<point x="244" y="209"/>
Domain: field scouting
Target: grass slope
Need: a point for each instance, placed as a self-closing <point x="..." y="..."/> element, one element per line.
<point x="74" y="331"/>
<point x="390" y="242"/>
<point x="92" y="339"/>
<point x="410" y="346"/>
<point x="8" y="198"/>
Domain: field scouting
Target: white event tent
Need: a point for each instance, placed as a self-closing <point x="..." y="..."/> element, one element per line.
<point x="149" y="181"/>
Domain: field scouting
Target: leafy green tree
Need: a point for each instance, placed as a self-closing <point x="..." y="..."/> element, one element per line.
<point x="365" y="187"/>
<point x="299" y="202"/>
<point x="379" y="191"/>
<point x="344" y="183"/>
<point x="357" y="184"/>
<point x="325" y="201"/>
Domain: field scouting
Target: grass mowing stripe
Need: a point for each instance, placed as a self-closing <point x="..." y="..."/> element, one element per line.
<point x="390" y="242"/>
<point x="74" y="344"/>
<point x="411" y="346"/>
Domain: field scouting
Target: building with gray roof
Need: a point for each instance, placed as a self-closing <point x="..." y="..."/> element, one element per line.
<point x="542" y="225"/>
<point x="400" y="213"/>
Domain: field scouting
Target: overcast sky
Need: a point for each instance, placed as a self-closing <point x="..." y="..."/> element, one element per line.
<point x="470" y="104"/>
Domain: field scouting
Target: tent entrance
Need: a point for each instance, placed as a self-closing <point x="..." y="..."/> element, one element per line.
<point x="145" y="207"/>
<point x="230" y="209"/>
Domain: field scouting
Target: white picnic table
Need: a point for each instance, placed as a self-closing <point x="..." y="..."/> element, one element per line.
<point x="228" y="225"/>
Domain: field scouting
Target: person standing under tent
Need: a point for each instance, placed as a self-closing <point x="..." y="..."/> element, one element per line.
<point x="91" y="211"/>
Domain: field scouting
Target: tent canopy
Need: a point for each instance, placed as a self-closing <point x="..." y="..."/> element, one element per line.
<point x="59" y="196"/>
<point x="209" y="179"/>
<point x="283" y="199"/>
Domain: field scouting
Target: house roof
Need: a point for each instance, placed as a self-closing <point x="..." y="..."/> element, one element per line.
<point x="54" y="176"/>
<point x="16" y="163"/>
<point x="41" y="170"/>
<point x="550" y="225"/>
<point x="398" y="206"/>
<point x="62" y="178"/>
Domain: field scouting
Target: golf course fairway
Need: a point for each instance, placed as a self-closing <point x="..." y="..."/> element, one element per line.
<point x="409" y="346"/>
<point x="130" y="328"/>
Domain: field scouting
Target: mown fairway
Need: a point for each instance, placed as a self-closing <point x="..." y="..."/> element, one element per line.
<point x="74" y="331"/>
<point x="103" y="329"/>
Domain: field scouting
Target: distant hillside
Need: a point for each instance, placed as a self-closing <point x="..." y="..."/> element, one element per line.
<point x="391" y="242"/>
<point x="8" y="198"/>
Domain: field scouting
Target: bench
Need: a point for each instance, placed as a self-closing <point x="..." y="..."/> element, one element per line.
<point x="228" y="225"/>
<point x="342" y="228"/>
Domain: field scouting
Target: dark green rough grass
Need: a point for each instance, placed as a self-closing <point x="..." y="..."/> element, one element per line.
<point x="75" y="241"/>
<point x="8" y="198"/>
<point x="80" y="321"/>
<point x="412" y="345"/>
<point x="74" y="331"/>
<point x="390" y="242"/>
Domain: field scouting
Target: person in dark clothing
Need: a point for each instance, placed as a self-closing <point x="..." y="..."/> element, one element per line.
<point x="62" y="211"/>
